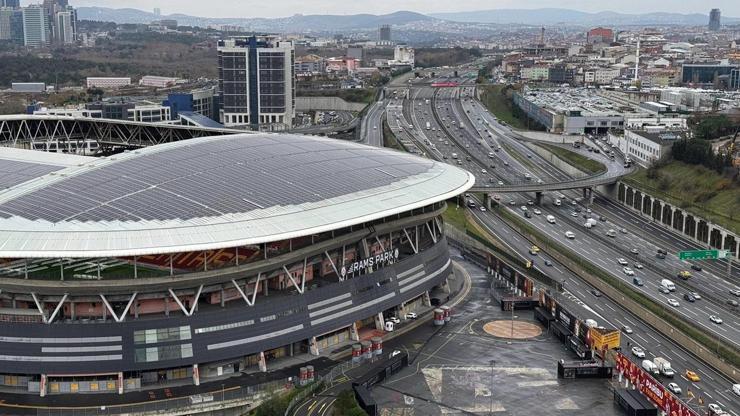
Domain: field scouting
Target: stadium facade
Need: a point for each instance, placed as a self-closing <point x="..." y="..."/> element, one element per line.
<point x="194" y="259"/>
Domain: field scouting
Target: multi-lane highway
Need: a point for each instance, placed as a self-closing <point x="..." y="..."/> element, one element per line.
<point x="481" y="145"/>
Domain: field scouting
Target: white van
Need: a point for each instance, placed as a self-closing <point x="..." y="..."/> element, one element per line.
<point x="668" y="285"/>
<point x="558" y="202"/>
<point x="650" y="367"/>
<point x="550" y="219"/>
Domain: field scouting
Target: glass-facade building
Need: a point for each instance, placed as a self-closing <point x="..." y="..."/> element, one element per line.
<point x="256" y="82"/>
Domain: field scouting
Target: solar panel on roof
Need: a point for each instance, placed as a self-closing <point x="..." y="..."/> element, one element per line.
<point x="214" y="177"/>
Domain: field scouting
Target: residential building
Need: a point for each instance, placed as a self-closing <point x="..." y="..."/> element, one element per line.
<point x="403" y="55"/>
<point x="561" y="74"/>
<point x="108" y="82"/>
<point x="35" y="30"/>
<point x="535" y="73"/>
<point x="310" y="65"/>
<point x="714" y="19"/>
<point x="257" y="82"/>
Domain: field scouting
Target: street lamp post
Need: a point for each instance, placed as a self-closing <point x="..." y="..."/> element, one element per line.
<point x="493" y="364"/>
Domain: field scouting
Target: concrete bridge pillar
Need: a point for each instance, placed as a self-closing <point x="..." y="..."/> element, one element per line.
<point x="588" y="195"/>
<point x="538" y="197"/>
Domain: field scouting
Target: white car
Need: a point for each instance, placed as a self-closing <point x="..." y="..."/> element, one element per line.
<point x="394" y="319"/>
<point x="483" y="209"/>
<point x="394" y="353"/>
<point x="537" y="211"/>
<point x="411" y="315"/>
<point x="673" y="387"/>
<point x="483" y="171"/>
<point x="622" y="262"/>
<point x="673" y="302"/>
<point x="696" y="295"/>
<point x="715" y="409"/>
<point x="638" y="352"/>
<point x="570" y="235"/>
<point x="716" y="319"/>
<point x="639" y="266"/>
<point x="628" y="271"/>
<point x="574" y="215"/>
<point x="500" y="183"/>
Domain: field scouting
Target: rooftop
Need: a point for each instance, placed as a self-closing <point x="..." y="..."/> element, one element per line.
<point x="209" y="193"/>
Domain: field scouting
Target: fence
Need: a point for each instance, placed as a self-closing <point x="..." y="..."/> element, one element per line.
<point x="326" y="379"/>
<point x="218" y="400"/>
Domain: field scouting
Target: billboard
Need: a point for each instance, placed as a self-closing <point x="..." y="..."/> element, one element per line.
<point x="651" y="388"/>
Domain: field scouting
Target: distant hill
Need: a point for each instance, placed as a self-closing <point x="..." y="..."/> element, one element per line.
<point x="552" y="16"/>
<point x="304" y="23"/>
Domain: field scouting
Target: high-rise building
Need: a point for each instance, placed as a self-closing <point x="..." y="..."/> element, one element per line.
<point x="257" y="82"/>
<point x="714" y="19"/>
<point x="735" y="79"/>
<point x="65" y="26"/>
<point x="35" y="30"/>
<point x="16" y="26"/>
<point x="5" y="14"/>
<point x="10" y="3"/>
<point x="384" y="33"/>
<point x="157" y="11"/>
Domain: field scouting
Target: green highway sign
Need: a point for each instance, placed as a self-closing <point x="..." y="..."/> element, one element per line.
<point x="703" y="254"/>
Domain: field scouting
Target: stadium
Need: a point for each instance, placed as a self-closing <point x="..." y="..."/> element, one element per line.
<point x="198" y="258"/>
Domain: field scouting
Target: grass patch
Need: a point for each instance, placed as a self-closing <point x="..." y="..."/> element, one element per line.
<point x="389" y="139"/>
<point x="556" y="249"/>
<point x="496" y="101"/>
<point x="579" y="161"/>
<point x="695" y="188"/>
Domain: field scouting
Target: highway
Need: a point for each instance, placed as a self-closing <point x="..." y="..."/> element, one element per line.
<point x="372" y="124"/>
<point x="603" y="250"/>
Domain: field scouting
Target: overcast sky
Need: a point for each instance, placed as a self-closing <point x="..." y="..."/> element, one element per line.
<point x="279" y="8"/>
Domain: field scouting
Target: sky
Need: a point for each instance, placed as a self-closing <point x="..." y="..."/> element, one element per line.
<point x="281" y="8"/>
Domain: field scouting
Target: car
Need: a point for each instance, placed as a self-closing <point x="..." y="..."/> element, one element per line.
<point x="673" y="302"/>
<point x="691" y="375"/>
<point x="573" y="203"/>
<point x="626" y="329"/>
<point x="534" y="250"/>
<point x="394" y="353"/>
<point x="695" y="267"/>
<point x="548" y="263"/>
<point x="623" y="230"/>
<point x="596" y="293"/>
<point x="497" y="197"/>
<point x="537" y="211"/>
<point x="483" y="171"/>
<point x="715" y="409"/>
<point x="673" y="387"/>
<point x="735" y="292"/>
<point x="732" y="302"/>
<point x="688" y="297"/>
<point x="375" y="127"/>
<point x="663" y="290"/>
<point x="628" y="271"/>
<point x="394" y="319"/>
<point x="634" y="251"/>
<point x="638" y="352"/>
<point x="512" y="203"/>
<point x="622" y="262"/>
<point x="736" y="389"/>
<point x="574" y="214"/>
<point x="500" y="183"/>
<point x="695" y="295"/>
<point x="602" y="218"/>
<point x="638" y="266"/>
<point x="588" y="210"/>
<point x="570" y="235"/>
<point x="637" y="281"/>
<point x="660" y="255"/>
<point x="523" y="208"/>
<point x="482" y="208"/>
<point x="411" y="315"/>
<point x="530" y="202"/>
<point x="715" y="319"/>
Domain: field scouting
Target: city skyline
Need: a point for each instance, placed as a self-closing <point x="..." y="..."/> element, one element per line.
<point x="223" y="8"/>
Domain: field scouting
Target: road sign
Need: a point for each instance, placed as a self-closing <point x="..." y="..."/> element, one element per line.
<point x="703" y="254"/>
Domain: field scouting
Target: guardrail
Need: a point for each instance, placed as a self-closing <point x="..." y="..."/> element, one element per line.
<point x="326" y="379"/>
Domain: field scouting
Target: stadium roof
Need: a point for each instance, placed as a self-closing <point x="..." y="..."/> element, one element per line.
<point x="210" y="193"/>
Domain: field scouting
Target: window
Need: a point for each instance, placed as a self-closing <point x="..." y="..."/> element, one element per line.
<point x="154" y="336"/>
<point x="167" y="352"/>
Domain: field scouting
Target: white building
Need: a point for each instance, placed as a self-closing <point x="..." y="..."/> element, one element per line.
<point x="647" y="145"/>
<point x="150" y="113"/>
<point x="65" y="27"/>
<point x="108" y="82"/>
<point x="69" y="112"/>
<point x="403" y="55"/>
<point x="156" y="81"/>
<point x="35" y="26"/>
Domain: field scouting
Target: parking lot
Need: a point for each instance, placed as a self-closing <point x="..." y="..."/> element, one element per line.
<point x="462" y="369"/>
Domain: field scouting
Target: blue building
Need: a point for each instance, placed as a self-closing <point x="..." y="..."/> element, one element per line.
<point x="202" y="101"/>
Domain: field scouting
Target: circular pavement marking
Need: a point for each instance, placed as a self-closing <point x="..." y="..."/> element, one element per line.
<point x="502" y="329"/>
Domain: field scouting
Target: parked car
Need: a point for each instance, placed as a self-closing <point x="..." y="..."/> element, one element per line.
<point x="411" y="315"/>
<point x="394" y="319"/>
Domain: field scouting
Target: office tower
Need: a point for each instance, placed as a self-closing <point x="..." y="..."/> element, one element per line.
<point x="157" y="11"/>
<point x="10" y="3"/>
<point x="257" y="82"/>
<point x="384" y="34"/>
<point x="714" y="19"/>
<point x="65" y="26"/>
<point x="5" y="15"/>
<point x="35" y="32"/>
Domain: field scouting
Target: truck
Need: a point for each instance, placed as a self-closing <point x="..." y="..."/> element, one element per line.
<point x="664" y="366"/>
<point x="668" y="285"/>
<point x="429" y="126"/>
<point x="590" y="223"/>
